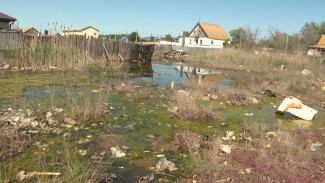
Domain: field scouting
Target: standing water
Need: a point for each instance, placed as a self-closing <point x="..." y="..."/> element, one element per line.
<point x="140" y="126"/>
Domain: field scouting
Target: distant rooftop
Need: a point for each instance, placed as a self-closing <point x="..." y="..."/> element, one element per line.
<point x="321" y="43"/>
<point x="4" y="17"/>
<point x="77" y="29"/>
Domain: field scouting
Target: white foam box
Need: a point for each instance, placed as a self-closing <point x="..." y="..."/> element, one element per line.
<point x="305" y="112"/>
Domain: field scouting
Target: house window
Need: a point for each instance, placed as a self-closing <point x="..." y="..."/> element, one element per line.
<point x="212" y="42"/>
<point x="190" y="41"/>
<point x="197" y="41"/>
<point x="95" y="33"/>
<point x="201" y="42"/>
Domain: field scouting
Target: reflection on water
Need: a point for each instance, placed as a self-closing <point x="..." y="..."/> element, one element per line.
<point x="165" y="74"/>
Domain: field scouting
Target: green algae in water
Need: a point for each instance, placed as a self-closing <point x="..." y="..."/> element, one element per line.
<point x="144" y="116"/>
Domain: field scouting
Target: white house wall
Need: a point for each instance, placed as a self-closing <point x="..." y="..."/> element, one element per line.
<point x="206" y="42"/>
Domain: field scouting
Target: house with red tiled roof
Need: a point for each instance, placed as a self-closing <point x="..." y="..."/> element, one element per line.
<point x="6" y="21"/>
<point x="206" y="35"/>
<point x="318" y="49"/>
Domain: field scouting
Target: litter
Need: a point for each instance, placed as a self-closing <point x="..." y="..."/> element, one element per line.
<point x="248" y="114"/>
<point x="173" y="109"/>
<point x="269" y="93"/>
<point x="225" y="148"/>
<point x="306" y="72"/>
<point x="146" y="179"/>
<point x="150" y="136"/>
<point x="70" y="121"/>
<point x="295" y="107"/>
<point x="183" y="93"/>
<point x="22" y="174"/>
<point x="117" y="152"/>
<point x="82" y="152"/>
<point x="230" y="135"/>
<point x="314" y="145"/>
<point x="164" y="164"/>
<point x="160" y="155"/>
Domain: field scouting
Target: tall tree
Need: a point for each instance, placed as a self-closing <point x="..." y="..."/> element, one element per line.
<point x="168" y="37"/>
<point x="244" y="37"/>
<point x="133" y="37"/>
<point x="310" y="33"/>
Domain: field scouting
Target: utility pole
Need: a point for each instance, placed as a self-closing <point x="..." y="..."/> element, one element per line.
<point x="299" y="42"/>
<point x="287" y="44"/>
<point x="136" y="36"/>
<point x="183" y="41"/>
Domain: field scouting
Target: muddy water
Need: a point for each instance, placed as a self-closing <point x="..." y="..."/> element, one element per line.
<point x="131" y="119"/>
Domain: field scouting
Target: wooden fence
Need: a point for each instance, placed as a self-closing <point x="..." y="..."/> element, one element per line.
<point x="93" y="47"/>
<point x="10" y="39"/>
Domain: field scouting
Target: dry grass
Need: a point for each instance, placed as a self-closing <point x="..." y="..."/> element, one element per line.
<point x="254" y="72"/>
<point x="13" y="141"/>
<point x="235" y="95"/>
<point x="51" y="54"/>
<point x="89" y="107"/>
<point x="187" y="140"/>
<point x="284" y="157"/>
<point x="192" y="108"/>
<point x="232" y="58"/>
<point x="93" y="172"/>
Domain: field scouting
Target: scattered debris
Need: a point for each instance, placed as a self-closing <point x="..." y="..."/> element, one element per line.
<point x="82" y="152"/>
<point x="173" y="109"/>
<point x="274" y="134"/>
<point x="225" y="148"/>
<point x="164" y="164"/>
<point x="150" y="136"/>
<point x="160" y="155"/>
<point x="123" y="116"/>
<point x="6" y="66"/>
<point x="306" y="72"/>
<point x="230" y="135"/>
<point x="183" y="93"/>
<point x="245" y="171"/>
<point x="205" y="98"/>
<point x="22" y="175"/>
<point x="175" y="54"/>
<point x="295" y="107"/>
<point x="248" y="114"/>
<point x="269" y="93"/>
<point x="315" y="145"/>
<point x="117" y="152"/>
<point x="146" y="179"/>
<point x="254" y="100"/>
<point x="224" y="124"/>
<point x="109" y="180"/>
<point x="70" y="121"/>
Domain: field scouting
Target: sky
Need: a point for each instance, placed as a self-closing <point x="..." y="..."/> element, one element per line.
<point x="161" y="17"/>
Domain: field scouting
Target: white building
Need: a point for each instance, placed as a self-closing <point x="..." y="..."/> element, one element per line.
<point x="206" y="35"/>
